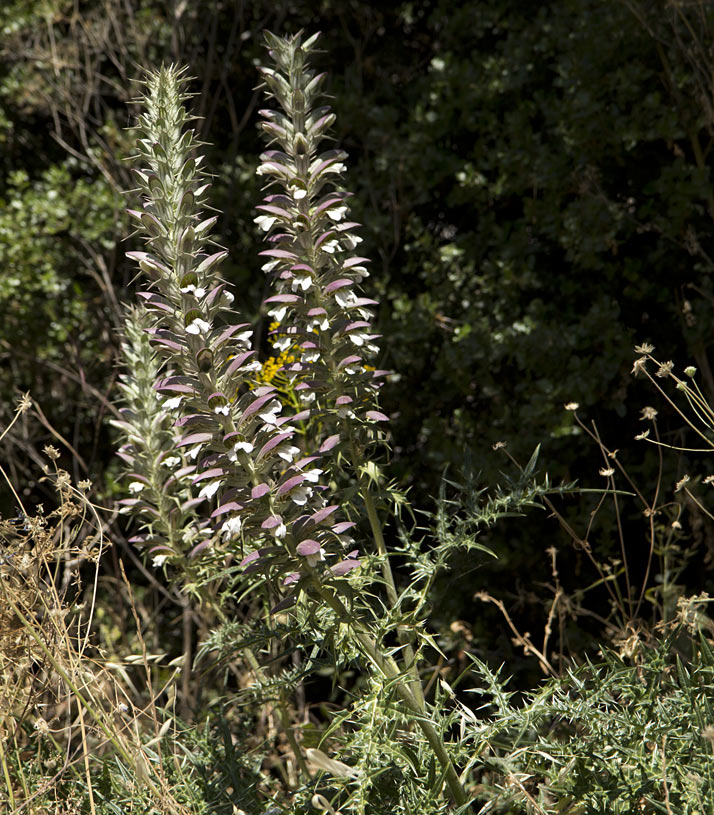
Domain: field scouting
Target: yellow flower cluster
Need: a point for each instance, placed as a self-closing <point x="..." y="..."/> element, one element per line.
<point x="272" y="365"/>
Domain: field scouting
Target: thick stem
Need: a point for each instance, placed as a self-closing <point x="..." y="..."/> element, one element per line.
<point x="282" y="709"/>
<point x="388" y="668"/>
<point x="392" y="596"/>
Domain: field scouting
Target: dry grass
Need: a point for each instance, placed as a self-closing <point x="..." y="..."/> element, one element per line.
<point x="63" y="706"/>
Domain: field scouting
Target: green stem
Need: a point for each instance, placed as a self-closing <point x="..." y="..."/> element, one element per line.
<point x="389" y="669"/>
<point x="282" y="708"/>
<point x="403" y="635"/>
<point x="6" y="774"/>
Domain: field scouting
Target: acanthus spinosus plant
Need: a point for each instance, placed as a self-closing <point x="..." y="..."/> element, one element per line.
<point x="257" y="499"/>
<point x="255" y="492"/>
<point x="319" y="312"/>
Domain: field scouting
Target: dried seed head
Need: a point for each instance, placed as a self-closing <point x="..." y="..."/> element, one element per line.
<point x="664" y="369"/>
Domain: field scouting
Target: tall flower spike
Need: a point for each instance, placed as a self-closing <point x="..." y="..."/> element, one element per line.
<point x="265" y="502"/>
<point x="161" y="499"/>
<point x="311" y="259"/>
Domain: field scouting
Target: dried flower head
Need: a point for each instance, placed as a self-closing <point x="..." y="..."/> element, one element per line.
<point x="664" y="369"/>
<point x="639" y="365"/>
<point x="24" y="404"/>
<point x="679" y="486"/>
<point x="51" y="452"/>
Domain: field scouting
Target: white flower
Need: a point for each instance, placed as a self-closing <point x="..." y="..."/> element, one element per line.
<point x="288" y="452"/>
<point x="224" y="409"/>
<point x="280" y="531"/>
<point x="311" y="355"/>
<point x="301" y="282"/>
<point x="189" y="535"/>
<point x="337" y="167"/>
<point x="349" y="240"/>
<point x="210" y="489"/>
<point x="278" y="313"/>
<point x="194" y="451"/>
<point x="313" y="560"/>
<point x="313" y="475"/>
<point x="358" y="338"/>
<point x="173" y="402"/>
<point x="198" y="326"/>
<point x="330" y="246"/>
<point x="228" y="297"/>
<point x="300" y="495"/>
<point x="171" y="461"/>
<point x="270" y="413"/>
<point x="282" y="343"/>
<point x="299" y="193"/>
<point x="306" y="397"/>
<point x="336" y="213"/>
<point x="198" y="292"/>
<point x="360" y="273"/>
<point x="270" y="265"/>
<point x="345" y="298"/>
<point x="159" y="561"/>
<point x="245" y="446"/>
<point x="231" y="527"/>
<point x="344" y="412"/>
<point x="319" y="322"/>
<point x="244" y="336"/>
<point x="136" y="487"/>
<point x="253" y="366"/>
<point x="265" y="221"/>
